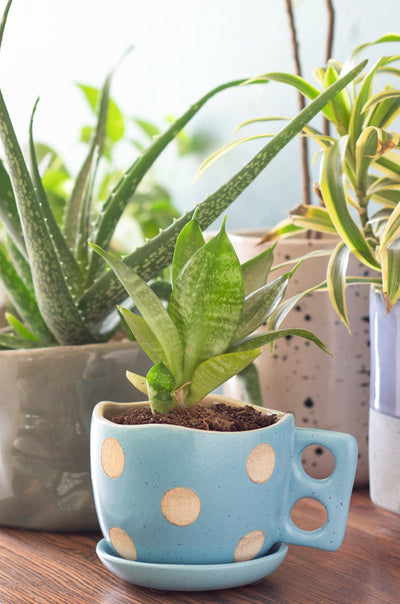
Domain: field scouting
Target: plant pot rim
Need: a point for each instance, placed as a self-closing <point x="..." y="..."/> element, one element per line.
<point x="104" y="409"/>
<point x="121" y="344"/>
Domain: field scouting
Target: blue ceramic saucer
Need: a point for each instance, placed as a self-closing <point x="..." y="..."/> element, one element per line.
<point x="191" y="577"/>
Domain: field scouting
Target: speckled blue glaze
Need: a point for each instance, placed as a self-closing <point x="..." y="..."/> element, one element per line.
<point x="213" y="465"/>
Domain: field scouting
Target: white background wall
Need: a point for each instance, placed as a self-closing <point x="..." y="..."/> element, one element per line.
<point x="183" y="48"/>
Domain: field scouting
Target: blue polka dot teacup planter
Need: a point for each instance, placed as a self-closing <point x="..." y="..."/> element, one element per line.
<point x="174" y="495"/>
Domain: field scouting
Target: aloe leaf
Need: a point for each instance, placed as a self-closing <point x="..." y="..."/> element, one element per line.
<point x="260" y="304"/>
<point x="151" y="258"/>
<point x="4" y="20"/>
<point x="304" y="87"/>
<point x="20" y="263"/>
<point x="54" y="297"/>
<point x="19" y="328"/>
<point x="207" y="301"/>
<point x="215" y="371"/>
<point x="8" y="211"/>
<point x="390" y="256"/>
<point x="139" y="381"/>
<point x="83" y="232"/>
<point x="334" y="194"/>
<point x="312" y="217"/>
<point x="78" y="198"/>
<point x="143" y="334"/>
<point x="189" y="241"/>
<point x="23" y="299"/>
<point x="119" y="197"/>
<point x="336" y="278"/>
<point x="70" y="265"/>
<point x="256" y="270"/>
<point x="270" y="336"/>
<point x="211" y="159"/>
<point x="152" y="311"/>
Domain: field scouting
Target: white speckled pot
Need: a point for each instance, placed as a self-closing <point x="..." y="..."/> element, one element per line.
<point x="384" y="418"/>
<point x="322" y="391"/>
<point x="46" y="401"/>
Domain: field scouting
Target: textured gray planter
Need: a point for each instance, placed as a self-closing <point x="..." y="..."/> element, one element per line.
<point x="46" y="401"/>
<point x="325" y="392"/>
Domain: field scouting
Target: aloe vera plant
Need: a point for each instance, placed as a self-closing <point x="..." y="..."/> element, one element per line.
<point x="359" y="186"/>
<point x="59" y="288"/>
<point x="206" y="335"/>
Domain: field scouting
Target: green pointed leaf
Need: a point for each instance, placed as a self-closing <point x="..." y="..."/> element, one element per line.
<point x="282" y="230"/>
<point x="336" y="278"/>
<point x="152" y="311"/>
<point x="70" y="266"/>
<point x="115" y="126"/>
<point x="392" y="230"/>
<point x="156" y="254"/>
<point x="16" y="342"/>
<point x="260" y="304"/>
<point x="189" y="241"/>
<point x="340" y="105"/>
<point x="215" y="371"/>
<point x="256" y="270"/>
<point x="143" y="334"/>
<point x="385" y="111"/>
<point x="207" y="323"/>
<point x="139" y="381"/>
<point x="379" y="97"/>
<point x="266" y="338"/>
<point x="334" y="194"/>
<point x="20" y="329"/>
<point x="9" y="212"/>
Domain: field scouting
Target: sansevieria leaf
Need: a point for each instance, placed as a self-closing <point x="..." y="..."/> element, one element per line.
<point x="207" y="301"/>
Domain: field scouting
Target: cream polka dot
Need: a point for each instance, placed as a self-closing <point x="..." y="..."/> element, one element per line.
<point x="180" y="506"/>
<point x="249" y="546"/>
<point x="112" y="457"/>
<point x="261" y="463"/>
<point x="123" y="543"/>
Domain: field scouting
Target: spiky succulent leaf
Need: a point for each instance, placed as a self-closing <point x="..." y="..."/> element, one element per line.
<point x="9" y="212"/>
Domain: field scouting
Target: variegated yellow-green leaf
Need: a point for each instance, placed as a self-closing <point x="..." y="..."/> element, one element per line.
<point x="390" y="256"/>
<point x="139" y="381"/>
<point x="392" y="230"/>
<point x="334" y="194"/>
<point x="312" y="217"/>
<point x="283" y="229"/>
<point x="336" y="278"/>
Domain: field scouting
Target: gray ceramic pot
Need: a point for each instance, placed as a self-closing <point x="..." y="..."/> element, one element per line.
<point x="46" y="401"/>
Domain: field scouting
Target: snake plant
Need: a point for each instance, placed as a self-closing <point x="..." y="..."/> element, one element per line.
<point x="205" y="336"/>
<point x="359" y="186"/>
<point x="60" y="289"/>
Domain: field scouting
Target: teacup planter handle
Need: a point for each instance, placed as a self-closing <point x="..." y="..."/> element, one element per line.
<point x="332" y="492"/>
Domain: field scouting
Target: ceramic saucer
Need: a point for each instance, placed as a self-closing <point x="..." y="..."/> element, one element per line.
<point x="191" y="577"/>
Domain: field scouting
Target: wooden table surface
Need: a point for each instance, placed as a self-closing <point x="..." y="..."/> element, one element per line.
<point x="53" y="568"/>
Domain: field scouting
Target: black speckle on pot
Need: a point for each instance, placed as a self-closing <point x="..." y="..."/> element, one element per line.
<point x="308" y="402"/>
<point x="288" y="337"/>
<point x="356" y="293"/>
<point x="364" y="384"/>
<point x="284" y="358"/>
<point x="306" y="343"/>
<point x="319" y="450"/>
<point x="366" y="319"/>
<point x="305" y="420"/>
<point x="287" y="256"/>
<point x="368" y="343"/>
<point x="307" y="317"/>
<point x="297" y="308"/>
<point x="305" y="377"/>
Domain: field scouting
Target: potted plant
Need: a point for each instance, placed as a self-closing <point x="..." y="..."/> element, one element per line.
<point x="65" y="305"/>
<point x="194" y="491"/>
<point x="359" y="192"/>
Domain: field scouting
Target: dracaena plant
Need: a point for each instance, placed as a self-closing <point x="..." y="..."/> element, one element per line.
<point x="205" y="336"/>
<point x="59" y="288"/>
<point x="359" y="188"/>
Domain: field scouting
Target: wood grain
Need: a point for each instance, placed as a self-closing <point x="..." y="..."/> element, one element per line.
<point x="54" y="568"/>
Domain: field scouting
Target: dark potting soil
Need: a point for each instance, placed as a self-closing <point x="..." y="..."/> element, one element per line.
<point x="219" y="418"/>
